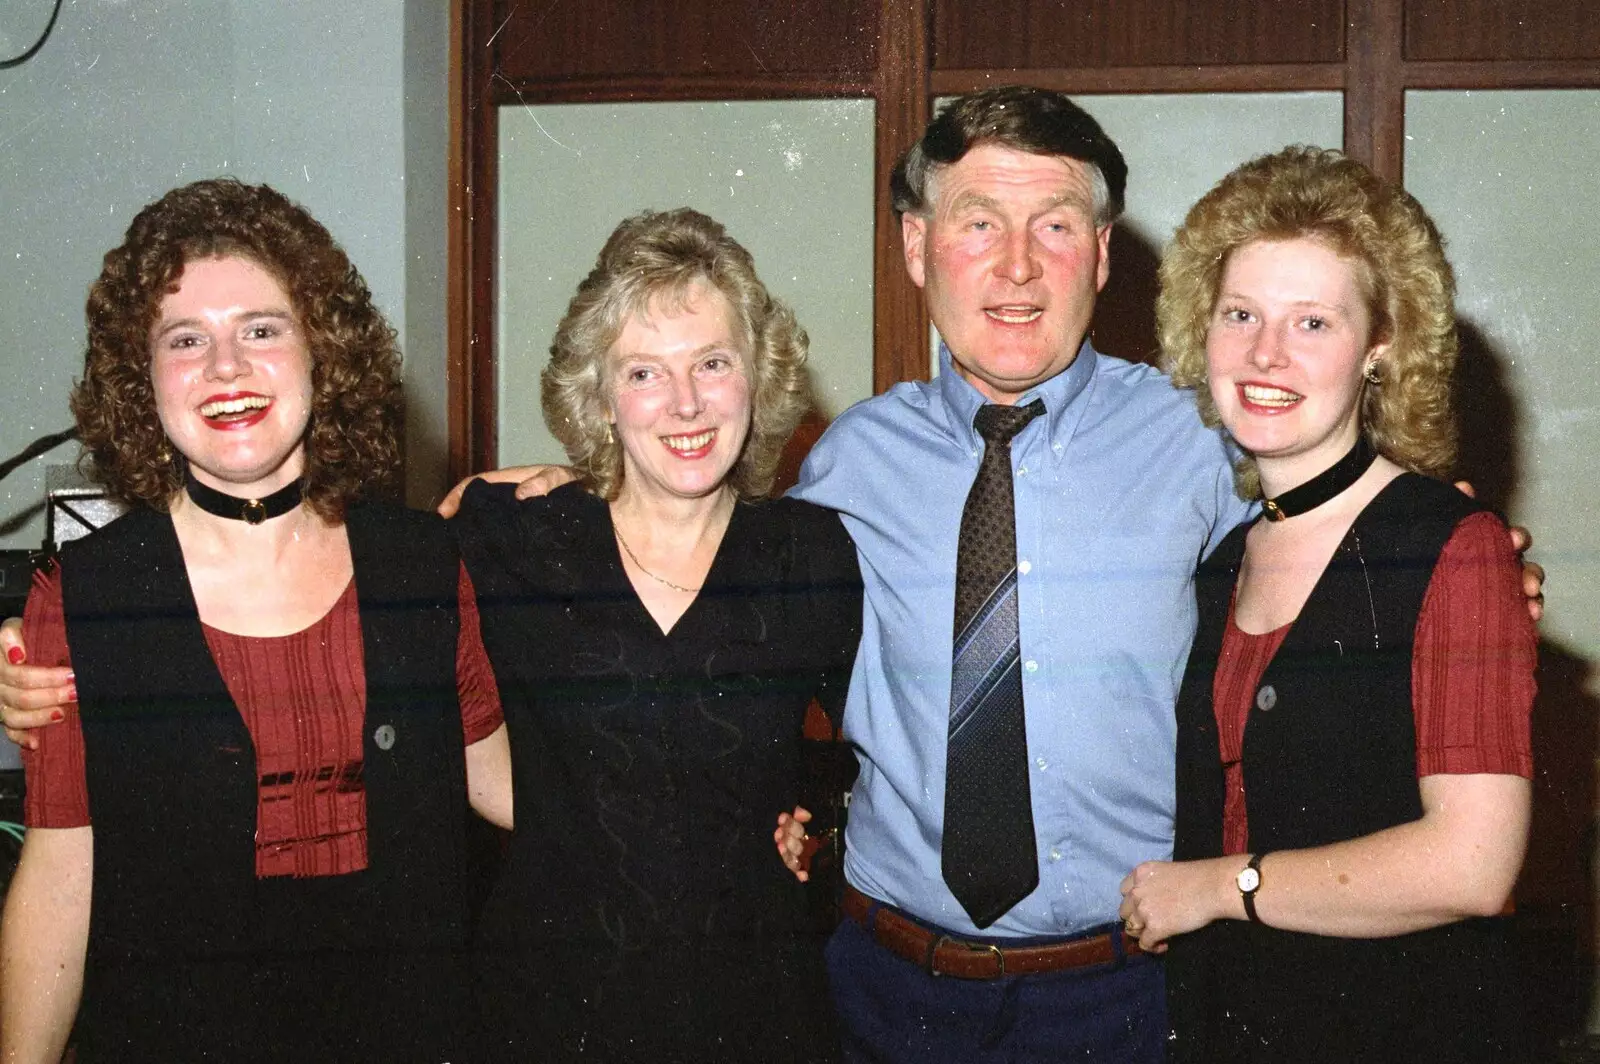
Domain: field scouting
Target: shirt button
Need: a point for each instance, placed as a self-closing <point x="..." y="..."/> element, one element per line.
<point x="1031" y="666"/>
<point x="1266" y="698"/>
<point x="384" y="736"/>
<point x="1055" y="855"/>
<point x="1042" y="763"/>
<point x="1024" y="567"/>
<point x="1022" y="471"/>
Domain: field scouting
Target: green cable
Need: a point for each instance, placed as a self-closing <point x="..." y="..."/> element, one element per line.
<point x="12" y="828"/>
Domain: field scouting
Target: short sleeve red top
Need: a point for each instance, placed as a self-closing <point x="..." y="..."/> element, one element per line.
<point x="303" y="699"/>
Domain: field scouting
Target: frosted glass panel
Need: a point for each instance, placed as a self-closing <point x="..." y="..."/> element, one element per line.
<point x="1510" y="179"/>
<point x="1177" y="147"/>
<point x="792" y="181"/>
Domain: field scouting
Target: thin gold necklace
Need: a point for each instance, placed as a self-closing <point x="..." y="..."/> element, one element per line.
<point x="647" y="572"/>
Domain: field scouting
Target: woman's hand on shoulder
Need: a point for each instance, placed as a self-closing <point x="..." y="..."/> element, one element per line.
<point x="31" y="696"/>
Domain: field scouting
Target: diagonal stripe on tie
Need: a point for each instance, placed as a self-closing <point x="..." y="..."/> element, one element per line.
<point x="984" y="653"/>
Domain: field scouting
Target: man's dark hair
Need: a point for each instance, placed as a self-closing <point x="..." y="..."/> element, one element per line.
<point x="1024" y="119"/>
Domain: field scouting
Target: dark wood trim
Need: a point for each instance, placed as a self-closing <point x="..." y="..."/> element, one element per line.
<point x="899" y="319"/>
<point x="1273" y="77"/>
<point x="1374" y="100"/>
<point x="458" y="259"/>
<point x="1518" y="74"/>
<point x="1389" y="114"/>
<point x="1041" y="34"/>
<point x="480" y="433"/>
<point x="485" y="452"/>
<point x="753" y="39"/>
<point x="1502" y="30"/>
<point x="1359" y="100"/>
<point x="683" y="89"/>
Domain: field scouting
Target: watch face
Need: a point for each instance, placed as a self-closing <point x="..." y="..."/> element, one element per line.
<point x="1249" y="880"/>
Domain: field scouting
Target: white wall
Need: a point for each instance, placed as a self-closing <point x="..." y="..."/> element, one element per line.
<point x="335" y="104"/>
<point x="342" y="106"/>
<point x="421" y="313"/>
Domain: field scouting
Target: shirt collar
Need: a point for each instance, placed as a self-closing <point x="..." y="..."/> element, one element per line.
<point x="1061" y="394"/>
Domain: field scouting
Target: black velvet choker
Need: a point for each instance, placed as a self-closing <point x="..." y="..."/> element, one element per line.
<point x="1324" y="486"/>
<point x="250" y="511"/>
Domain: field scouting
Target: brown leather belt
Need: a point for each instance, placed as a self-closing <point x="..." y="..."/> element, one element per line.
<point x="942" y="955"/>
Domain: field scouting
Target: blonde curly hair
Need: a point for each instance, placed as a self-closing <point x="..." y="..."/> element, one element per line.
<point x="663" y="255"/>
<point x="1324" y="195"/>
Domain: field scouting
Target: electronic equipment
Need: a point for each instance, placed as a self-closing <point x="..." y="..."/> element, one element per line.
<point x="74" y="506"/>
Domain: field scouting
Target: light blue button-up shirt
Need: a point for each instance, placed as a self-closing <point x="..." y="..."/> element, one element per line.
<point x="1120" y="491"/>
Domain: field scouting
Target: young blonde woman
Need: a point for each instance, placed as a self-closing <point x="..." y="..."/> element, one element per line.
<point x="1354" y="751"/>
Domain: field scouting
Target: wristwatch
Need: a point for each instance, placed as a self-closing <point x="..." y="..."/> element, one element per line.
<point x="1249" y="881"/>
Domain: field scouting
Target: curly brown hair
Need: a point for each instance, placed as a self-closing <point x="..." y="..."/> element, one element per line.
<point x="353" y="436"/>
<point x="663" y="255"/>
<point x="1324" y="195"/>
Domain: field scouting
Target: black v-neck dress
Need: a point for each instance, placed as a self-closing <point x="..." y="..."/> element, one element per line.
<point x="643" y="913"/>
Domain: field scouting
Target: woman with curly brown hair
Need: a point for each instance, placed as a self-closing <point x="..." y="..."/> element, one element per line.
<point x="658" y="629"/>
<point x="1353" y="753"/>
<point x="261" y="786"/>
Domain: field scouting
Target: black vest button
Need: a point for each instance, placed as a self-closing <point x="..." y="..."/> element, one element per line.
<point x="384" y="736"/>
<point x="1266" y="698"/>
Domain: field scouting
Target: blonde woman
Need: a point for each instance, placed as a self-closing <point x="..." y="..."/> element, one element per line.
<point x="1354" y="751"/>
<point x="658" y="629"/>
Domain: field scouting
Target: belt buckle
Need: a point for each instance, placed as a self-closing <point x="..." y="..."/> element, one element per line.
<point x="970" y="947"/>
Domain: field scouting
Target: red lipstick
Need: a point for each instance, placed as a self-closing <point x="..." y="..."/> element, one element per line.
<point x="234" y="411"/>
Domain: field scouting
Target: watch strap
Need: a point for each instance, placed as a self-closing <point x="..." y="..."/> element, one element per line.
<point x="1249" y="896"/>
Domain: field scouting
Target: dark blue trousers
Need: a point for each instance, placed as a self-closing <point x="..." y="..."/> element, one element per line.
<point x="893" y="1012"/>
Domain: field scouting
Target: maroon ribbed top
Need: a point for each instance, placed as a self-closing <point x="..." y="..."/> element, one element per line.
<point x="303" y="699"/>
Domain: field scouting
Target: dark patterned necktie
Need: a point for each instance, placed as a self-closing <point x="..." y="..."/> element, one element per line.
<point x="988" y="855"/>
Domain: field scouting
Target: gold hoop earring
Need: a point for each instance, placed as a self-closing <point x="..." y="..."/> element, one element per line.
<point x="1370" y="374"/>
<point x="609" y="438"/>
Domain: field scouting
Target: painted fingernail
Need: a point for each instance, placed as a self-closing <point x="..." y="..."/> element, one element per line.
<point x="14" y="655"/>
<point x="56" y="716"/>
<point x="72" y="692"/>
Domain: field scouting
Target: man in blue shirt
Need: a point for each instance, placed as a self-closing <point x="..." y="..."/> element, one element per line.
<point x="1006" y="208"/>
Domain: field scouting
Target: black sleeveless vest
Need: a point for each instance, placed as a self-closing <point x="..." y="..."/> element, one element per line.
<point x="1329" y="755"/>
<point x="191" y="957"/>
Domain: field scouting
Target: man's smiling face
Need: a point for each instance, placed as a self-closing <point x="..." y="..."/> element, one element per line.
<point x="1011" y="260"/>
